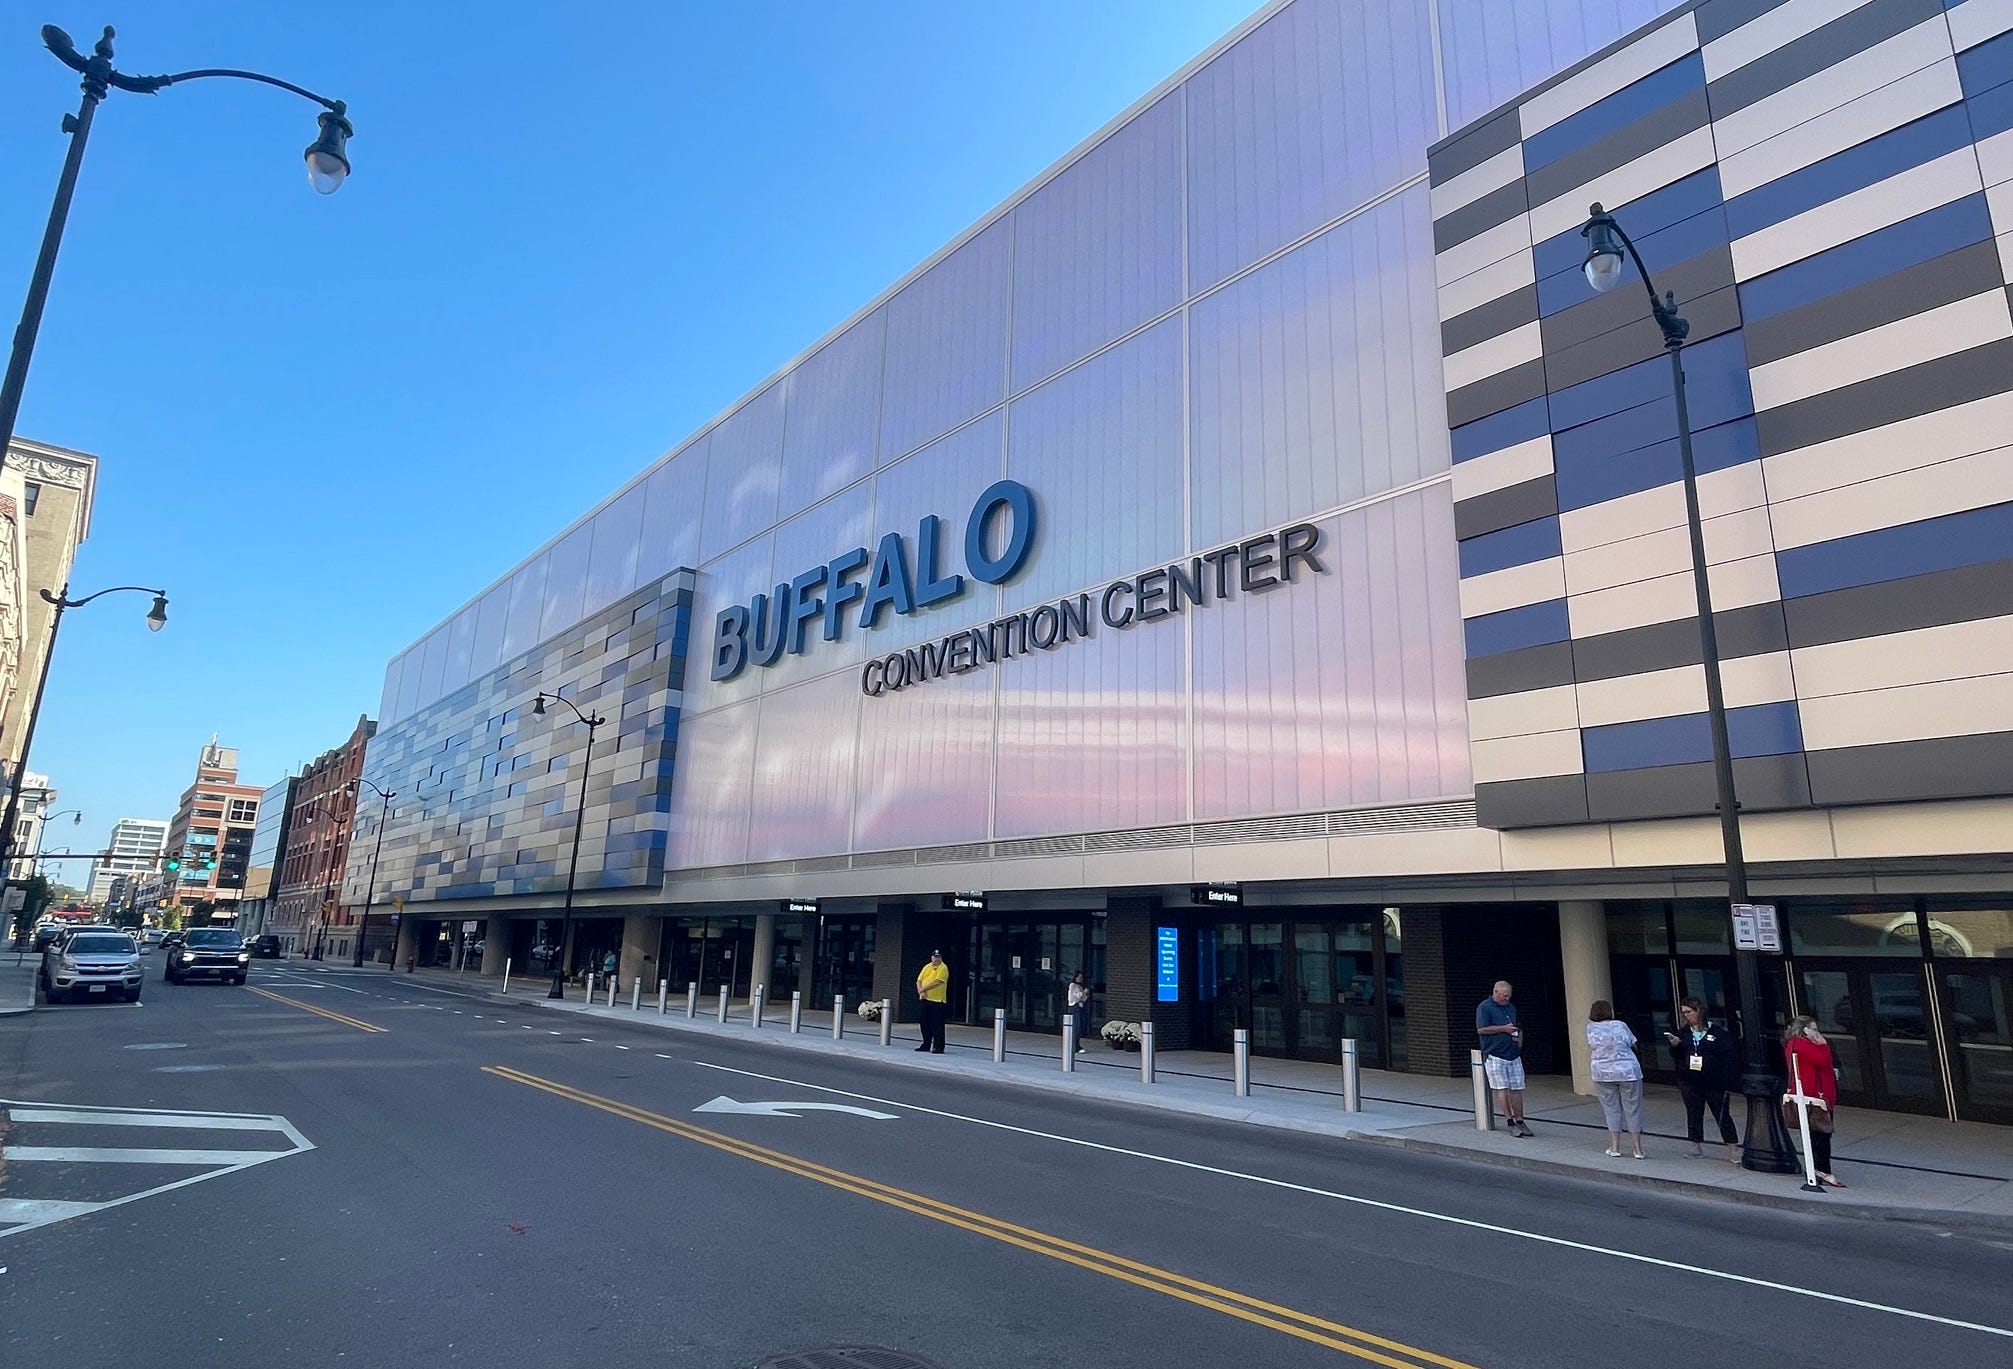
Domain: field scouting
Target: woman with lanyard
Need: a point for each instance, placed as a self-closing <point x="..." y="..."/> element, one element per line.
<point x="1708" y="1066"/>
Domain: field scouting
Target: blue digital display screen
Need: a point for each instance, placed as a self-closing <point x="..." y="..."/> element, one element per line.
<point x="1167" y="965"/>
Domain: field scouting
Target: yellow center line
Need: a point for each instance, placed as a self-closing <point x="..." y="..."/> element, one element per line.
<point x="332" y="1015"/>
<point x="1229" y="1302"/>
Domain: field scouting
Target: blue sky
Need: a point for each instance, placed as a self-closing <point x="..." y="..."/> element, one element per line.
<point x="572" y="236"/>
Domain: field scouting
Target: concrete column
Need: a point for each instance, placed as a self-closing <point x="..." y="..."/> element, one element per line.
<point x="1583" y="952"/>
<point x="641" y="934"/>
<point x="764" y="954"/>
<point x="402" y="948"/>
<point x="496" y="947"/>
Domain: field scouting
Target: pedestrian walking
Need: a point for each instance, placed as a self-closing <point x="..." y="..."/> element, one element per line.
<point x="933" y="987"/>
<point x="1806" y="1057"/>
<point x="1708" y="1066"/>
<point x="608" y="966"/>
<point x="1079" y="1007"/>
<point x="1618" y="1076"/>
<point x="1503" y="1054"/>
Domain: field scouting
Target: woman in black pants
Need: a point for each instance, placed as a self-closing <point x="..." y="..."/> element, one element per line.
<point x="1708" y="1066"/>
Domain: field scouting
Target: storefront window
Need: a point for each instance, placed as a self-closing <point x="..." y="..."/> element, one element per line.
<point x="1703" y="926"/>
<point x="1970" y="933"/>
<point x="1857" y="928"/>
<point x="1637" y="929"/>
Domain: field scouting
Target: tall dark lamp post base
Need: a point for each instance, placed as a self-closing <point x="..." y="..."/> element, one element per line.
<point x="1766" y="1149"/>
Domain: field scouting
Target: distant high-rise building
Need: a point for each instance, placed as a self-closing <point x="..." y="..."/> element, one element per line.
<point x="211" y="835"/>
<point x="135" y="845"/>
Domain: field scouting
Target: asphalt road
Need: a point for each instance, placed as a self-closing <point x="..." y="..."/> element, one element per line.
<point x="424" y="1178"/>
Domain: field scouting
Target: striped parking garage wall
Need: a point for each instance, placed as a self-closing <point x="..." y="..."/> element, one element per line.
<point x="1827" y="188"/>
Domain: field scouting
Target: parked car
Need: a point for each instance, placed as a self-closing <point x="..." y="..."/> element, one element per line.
<point x="91" y="961"/>
<point x="152" y="936"/>
<point x="266" y="947"/>
<point x="209" y="952"/>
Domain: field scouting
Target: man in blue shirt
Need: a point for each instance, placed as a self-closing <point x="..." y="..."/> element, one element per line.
<point x="1503" y="1055"/>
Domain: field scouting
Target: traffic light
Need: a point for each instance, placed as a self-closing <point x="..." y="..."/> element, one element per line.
<point x="209" y="862"/>
<point x="174" y="864"/>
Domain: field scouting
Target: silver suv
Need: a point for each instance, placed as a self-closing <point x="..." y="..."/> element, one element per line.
<point x="91" y="962"/>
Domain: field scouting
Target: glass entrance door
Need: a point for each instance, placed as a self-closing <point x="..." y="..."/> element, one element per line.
<point x="1266" y="954"/>
<point x="1978" y="1022"/>
<point x="1876" y="1017"/>
<point x="845" y="961"/>
<point x="1024" y="967"/>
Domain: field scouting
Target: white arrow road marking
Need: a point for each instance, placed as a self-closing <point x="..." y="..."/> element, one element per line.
<point x="790" y="1109"/>
<point x="43" y="1121"/>
<point x="121" y="1155"/>
<point x="201" y="1121"/>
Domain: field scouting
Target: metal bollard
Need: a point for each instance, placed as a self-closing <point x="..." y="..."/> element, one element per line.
<point x="755" y="996"/>
<point x="999" y="1036"/>
<point x="663" y="995"/>
<point x="611" y="990"/>
<point x="723" y="1005"/>
<point x="1485" y="1113"/>
<point x="887" y="1021"/>
<point x="1241" y="1062"/>
<point x="506" y="974"/>
<point x="636" y="995"/>
<point x="796" y="1011"/>
<point x="1069" y="1044"/>
<point x="692" y="999"/>
<point x="590" y="988"/>
<point x="1146" y="1052"/>
<point x="838" y="1015"/>
<point x="1352" y="1077"/>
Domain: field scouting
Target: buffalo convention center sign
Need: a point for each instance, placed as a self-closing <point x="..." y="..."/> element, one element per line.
<point x="907" y="575"/>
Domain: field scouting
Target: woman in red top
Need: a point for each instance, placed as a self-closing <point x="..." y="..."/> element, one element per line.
<point x="1806" y="1059"/>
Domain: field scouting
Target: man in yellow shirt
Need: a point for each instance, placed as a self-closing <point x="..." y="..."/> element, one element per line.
<point x="933" y="987"/>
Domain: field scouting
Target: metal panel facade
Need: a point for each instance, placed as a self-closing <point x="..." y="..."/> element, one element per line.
<point x="1823" y="188"/>
<point x="1217" y="320"/>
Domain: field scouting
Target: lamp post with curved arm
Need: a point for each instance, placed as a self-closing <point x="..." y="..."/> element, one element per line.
<point x="157" y="617"/>
<point x="1767" y="1147"/>
<point x="327" y="161"/>
<point x="370" y="881"/>
<point x="592" y="721"/>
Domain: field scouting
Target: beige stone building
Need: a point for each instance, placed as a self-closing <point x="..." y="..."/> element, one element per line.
<point x="45" y="514"/>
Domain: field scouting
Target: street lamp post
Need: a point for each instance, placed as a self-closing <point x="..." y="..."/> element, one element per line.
<point x="1767" y="1147"/>
<point x="157" y="617"/>
<point x="327" y="162"/>
<point x="592" y="721"/>
<point x="370" y="882"/>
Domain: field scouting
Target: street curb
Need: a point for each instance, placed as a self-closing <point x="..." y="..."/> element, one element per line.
<point x="1074" y="1086"/>
<point x="1828" y="1208"/>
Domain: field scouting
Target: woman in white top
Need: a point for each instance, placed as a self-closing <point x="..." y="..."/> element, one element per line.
<point x="1079" y="1006"/>
<point x="1618" y="1076"/>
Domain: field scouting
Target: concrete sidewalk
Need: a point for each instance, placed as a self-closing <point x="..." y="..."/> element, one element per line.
<point x="1897" y="1166"/>
<point x="17" y="982"/>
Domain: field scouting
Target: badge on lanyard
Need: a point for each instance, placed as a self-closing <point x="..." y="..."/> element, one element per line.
<point x="1698" y="1062"/>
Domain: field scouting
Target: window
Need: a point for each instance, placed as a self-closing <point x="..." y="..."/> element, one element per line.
<point x="244" y="810"/>
<point x="33" y="497"/>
